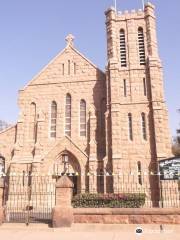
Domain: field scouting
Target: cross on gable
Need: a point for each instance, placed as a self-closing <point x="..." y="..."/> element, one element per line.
<point x="70" y="40"/>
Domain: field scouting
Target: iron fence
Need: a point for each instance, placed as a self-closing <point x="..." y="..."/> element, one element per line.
<point x="30" y="198"/>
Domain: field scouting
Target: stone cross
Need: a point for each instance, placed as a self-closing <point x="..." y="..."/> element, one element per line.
<point x="70" y="40"/>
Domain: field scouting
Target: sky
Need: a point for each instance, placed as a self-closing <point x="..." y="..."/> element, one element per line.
<point x="33" y="32"/>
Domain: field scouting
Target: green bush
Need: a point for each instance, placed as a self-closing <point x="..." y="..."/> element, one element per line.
<point x="124" y="200"/>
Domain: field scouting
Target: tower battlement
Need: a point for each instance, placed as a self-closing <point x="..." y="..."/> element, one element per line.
<point x="111" y="13"/>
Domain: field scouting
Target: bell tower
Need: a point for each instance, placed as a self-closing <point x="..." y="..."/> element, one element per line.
<point x="137" y="118"/>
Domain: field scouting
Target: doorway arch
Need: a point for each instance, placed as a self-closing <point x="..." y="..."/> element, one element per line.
<point x="78" y="159"/>
<point x="70" y="167"/>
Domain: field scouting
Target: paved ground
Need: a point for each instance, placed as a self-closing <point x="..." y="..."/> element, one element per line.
<point x="89" y="232"/>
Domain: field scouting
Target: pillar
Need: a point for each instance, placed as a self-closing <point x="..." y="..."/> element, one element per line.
<point x="93" y="152"/>
<point x="62" y="215"/>
<point x="1" y="200"/>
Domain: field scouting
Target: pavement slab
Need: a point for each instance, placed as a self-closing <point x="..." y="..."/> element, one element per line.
<point x="90" y="232"/>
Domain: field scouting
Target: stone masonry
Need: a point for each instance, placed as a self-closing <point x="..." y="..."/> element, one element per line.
<point x="109" y="97"/>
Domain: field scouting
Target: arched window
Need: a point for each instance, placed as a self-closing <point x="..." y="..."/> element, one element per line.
<point x="123" y="48"/>
<point x="144" y="87"/>
<point x="82" y="118"/>
<point x="130" y="126"/>
<point x="53" y="119"/>
<point x="16" y="131"/>
<point x="33" y="121"/>
<point x="74" y="68"/>
<point x="142" y="57"/>
<point x="102" y="127"/>
<point x="103" y="110"/>
<point x="125" y="88"/>
<point x="139" y="172"/>
<point x="69" y="67"/>
<point x="143" y="122"/>
<point x="62" y="68"/>
<point x="68" y="115"/>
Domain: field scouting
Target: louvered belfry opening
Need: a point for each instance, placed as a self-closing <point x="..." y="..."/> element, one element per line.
<point x="142" y="57"/>
<point x="123" y="48"/>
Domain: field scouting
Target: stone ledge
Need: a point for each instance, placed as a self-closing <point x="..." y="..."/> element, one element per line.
<point x="1" y="215"/>
<point x="127" y="216"/>
<point x="126" y="211"/>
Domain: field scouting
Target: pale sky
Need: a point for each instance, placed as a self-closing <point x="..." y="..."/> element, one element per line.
<point x="33" y="32"/>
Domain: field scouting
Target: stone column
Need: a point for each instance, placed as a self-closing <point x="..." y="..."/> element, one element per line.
<point x="159" y="123"/>
<point x="93" y="176"/>
<point x="150" y="19"/>
<point x="93" y="152"/>
<point x="83" y="181"/>
<point x="62" y="215"/>
<point x="1" y="200"/>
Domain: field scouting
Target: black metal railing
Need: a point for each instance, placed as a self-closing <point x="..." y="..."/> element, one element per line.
<point x="29" y="198"/>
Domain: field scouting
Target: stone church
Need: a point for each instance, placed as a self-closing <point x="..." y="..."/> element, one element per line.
<point x="77" y="119"/>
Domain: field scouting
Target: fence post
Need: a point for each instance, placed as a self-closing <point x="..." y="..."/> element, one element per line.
<point x="62" y="215"/>
<point x="1" y="200"/>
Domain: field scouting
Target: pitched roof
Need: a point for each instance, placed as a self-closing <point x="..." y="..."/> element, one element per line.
<point x="69" y="46"/>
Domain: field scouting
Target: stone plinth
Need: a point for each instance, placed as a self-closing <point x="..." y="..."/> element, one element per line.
<point x="127" y="215"/>
<point x="1" y="200"/>
<point x="62" y="215"/>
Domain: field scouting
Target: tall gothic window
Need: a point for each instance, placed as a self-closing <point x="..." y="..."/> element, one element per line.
<point x="123" y="48"/>
<point x="130" y="126"/>
<point x="74" y="68"/>
<point x="144" y="87"/>
<point x="125" y="88"/>
<point x="69" y="67"/>
<point x="68" y="115"/>
<point x="139" y="172"/>
<point x="82" y="118"/>
<point x="53" y="119"/>
<point x="63" y="69"/>
<point x="33" y="128"/>
<point x="143" y="122"/>
<point x="142" y="57"/>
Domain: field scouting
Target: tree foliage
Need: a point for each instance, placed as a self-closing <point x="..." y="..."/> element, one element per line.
<point x="3" y="125"/>
<point x="176" y="145"/>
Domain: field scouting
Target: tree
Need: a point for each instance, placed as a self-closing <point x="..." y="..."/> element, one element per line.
<point x="3" y="125"/>
<point x="176" y="145"/>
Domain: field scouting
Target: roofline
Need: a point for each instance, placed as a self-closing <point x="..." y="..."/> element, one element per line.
<point x="87" y="59"/>
<point x="58" y="55"/>
<point x="8" y="128"/>
<point x="171" y="158"/>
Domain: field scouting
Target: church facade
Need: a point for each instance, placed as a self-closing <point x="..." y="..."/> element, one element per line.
<point x="92" y="124"/>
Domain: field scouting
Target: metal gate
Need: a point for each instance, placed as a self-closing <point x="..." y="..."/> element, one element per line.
<point x="29" y="199"/>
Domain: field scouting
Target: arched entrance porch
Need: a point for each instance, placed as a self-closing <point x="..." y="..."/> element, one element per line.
<point x="67" y="163"/>
<point x="78" y="161"/>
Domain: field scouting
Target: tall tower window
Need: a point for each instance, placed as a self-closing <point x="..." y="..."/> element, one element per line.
<point x="33" y="129"/>
<point x="82" y="118"/>
<point x="53" y="119"/>
<point x="144" y="87"/>
<point x="130" y="126"/>
<point x="74" y="68"/>
<point x="63" y="69"/>
<point x="123" y="48"/>
<point x="69" y="67"/>
<point x="142" y="57"/>
<point x="68" y="115"/>
<point x="143" y="122"/>
<point x="139" y="172"/>
<point x="125" y="88"/>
